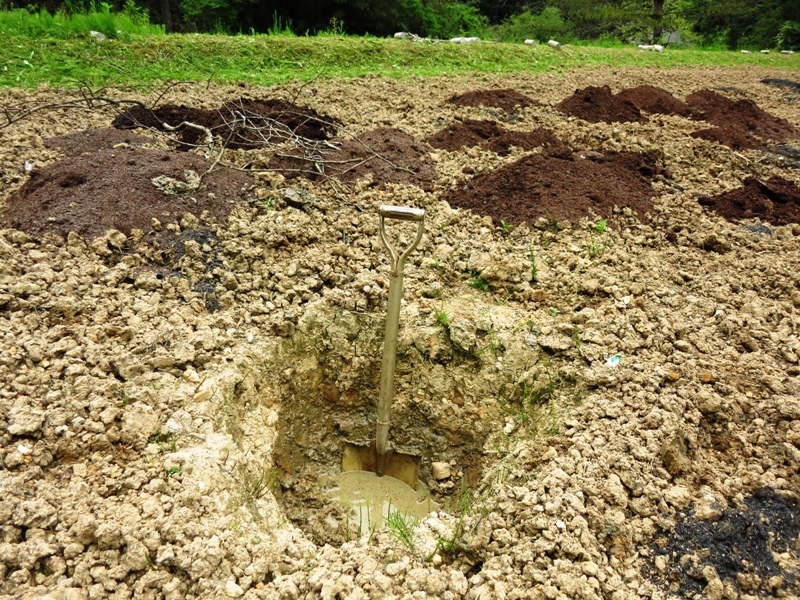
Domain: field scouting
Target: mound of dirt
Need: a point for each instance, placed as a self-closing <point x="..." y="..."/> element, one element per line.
<point x="731" y="137"/>
<point x="387" y="155"/>
<point x="776" y="201"/>
<point x="242" y="123"/>
<point x="489" y="136"/>
<point x="506" y="100"/>
<point x="739" y="546"/>
<point x="654" y="100"/>
<point x="745" y="115"/>
<point x="114" y="189"/>
<point x="598" y="104"/>
<point x="91" y="140"/>
<point x="560" y="188"/>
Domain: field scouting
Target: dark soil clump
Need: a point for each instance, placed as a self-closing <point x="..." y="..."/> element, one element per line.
<point x="561" y="188"/>
<point x="243" y="123"/>
<point x="113" y="189"/>
<point x="739" y="546"/>
<point x="489" y="136"/>
<point x="731" y="137"/>
<point x="598" y="104"/>
<point x="654" y="100"/>
<point x="744" y="115"/>
<point x="506" y="100"/>
<point x="92" y="140"/>
<point x="387" y="155"/>
<point x="776" y="201"/>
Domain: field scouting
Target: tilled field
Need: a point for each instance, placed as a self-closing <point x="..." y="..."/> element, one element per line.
<point x="598" y="359"/>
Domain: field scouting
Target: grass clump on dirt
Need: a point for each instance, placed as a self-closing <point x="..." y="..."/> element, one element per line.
<point x="29" y="59"/>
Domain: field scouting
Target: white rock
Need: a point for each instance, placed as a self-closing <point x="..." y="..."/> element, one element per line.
<point x="25" y="420"/>
<point x="233" y="589"/>
<point x="678" y="496"/>
<point x="401" y="35"/>
<point x="441" y="470"/>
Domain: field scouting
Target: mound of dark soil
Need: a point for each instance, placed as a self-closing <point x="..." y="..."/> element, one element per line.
<point x="654" y="100"/>
<point x="388" y="155"/>
<point x="113" y="189"/>
<point x="489" y="136"/>
<point x="744" y="115"/>
<point x="506" y="100"/>
<point x="91" y="140"/>
<point x="596" y="104"/>
<point x="739" y="546"/>
<point x="243" y="123"/>
<point x="731" y="137"/>
<point x="776" y="201"/>
<point x="558" y="187"/>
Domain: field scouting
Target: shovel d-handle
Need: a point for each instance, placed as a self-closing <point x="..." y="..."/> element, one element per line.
<point x="397" y="261"/>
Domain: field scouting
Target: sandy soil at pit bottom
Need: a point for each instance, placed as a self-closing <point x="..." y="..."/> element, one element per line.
<point x="98" y="355"/>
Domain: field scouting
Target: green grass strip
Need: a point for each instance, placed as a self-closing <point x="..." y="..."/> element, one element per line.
<point x="266" y="60"/>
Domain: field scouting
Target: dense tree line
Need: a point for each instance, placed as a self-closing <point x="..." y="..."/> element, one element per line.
<point x="730" y="23"/>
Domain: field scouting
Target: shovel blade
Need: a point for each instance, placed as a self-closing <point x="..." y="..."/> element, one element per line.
<point x="404" y="467"/>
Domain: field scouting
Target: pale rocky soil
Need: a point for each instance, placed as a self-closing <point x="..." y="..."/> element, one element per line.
<point x="98" y="355"/>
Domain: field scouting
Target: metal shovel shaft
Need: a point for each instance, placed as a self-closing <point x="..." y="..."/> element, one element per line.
<point x="386" y="392"/>
<point x="387" y="368"/>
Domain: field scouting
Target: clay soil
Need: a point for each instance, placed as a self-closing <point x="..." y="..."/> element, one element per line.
<point x="597" y="366"/>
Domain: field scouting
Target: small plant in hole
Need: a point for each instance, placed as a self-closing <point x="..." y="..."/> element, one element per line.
<point x="552" y="221"/>
<point x="443" y="319"/>
<point x="167" y="441"/>
<point x="478" y="282"/>
<point x="401" y="526"/>
<point x="534" y="271"/>
<point x="174" y="471"/>
<point x="553" y="311"/>
<point x="595" y="249"/>
<point x="506" y="228"/>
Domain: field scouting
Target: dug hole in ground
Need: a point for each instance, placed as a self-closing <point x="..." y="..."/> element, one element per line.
<point x="597" y="363"/>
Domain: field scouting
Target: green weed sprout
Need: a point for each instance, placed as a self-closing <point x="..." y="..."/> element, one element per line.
<point x="401" y="526"/>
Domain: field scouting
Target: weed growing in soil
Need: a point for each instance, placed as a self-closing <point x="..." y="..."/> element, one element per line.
<point x="596" y="249"/>
<point x="478" y="282"/>
<point x="401" y="526"/>
<point x="532" y="257"/>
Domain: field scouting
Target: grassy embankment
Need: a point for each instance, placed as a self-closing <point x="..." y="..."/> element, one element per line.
<point x="27" y="61"/>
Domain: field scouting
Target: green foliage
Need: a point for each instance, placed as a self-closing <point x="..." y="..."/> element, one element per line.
<point x="401" y="526"/>
<point x="441" y="18"/>
<point x="478" y="282"/>
<point x="545" y="25"/>
<point x="64" y="25"/>
<point x="789" y="36"/>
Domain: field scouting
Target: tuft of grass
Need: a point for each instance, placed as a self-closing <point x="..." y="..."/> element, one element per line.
<point x="401" y="526"/>
<point x="478" y="282"/>
<point x="443" y="319"/>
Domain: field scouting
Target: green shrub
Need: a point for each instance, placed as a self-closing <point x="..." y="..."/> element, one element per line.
<point x="789" y="36"/>
<point x="441" y="18"/>
<point x="546" y="25"/>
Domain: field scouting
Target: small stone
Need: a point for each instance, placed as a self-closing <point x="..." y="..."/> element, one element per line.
<point x="233" y="589"/>
<point x="203" y="395"/>
<point x="191" y="376"/>
<point x="440" y="470"/>
<point x="394" y="569"/>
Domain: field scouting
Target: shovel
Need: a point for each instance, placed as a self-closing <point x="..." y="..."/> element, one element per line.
<point x="378" y="457"/>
